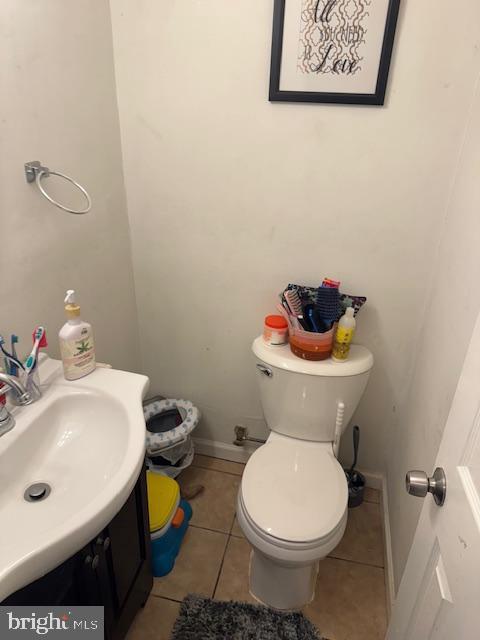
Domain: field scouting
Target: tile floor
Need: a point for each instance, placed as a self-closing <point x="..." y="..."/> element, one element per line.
<point x="350" y="601"/>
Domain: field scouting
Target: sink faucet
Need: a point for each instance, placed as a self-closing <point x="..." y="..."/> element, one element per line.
<point x="21" y="398"/>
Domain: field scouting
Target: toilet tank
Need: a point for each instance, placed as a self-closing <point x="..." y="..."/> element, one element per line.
<point x="300" y="398"/>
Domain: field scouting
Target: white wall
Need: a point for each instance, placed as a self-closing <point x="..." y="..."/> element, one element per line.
<point x="231" y="197"/>
<point x="58" y="105"/>
<point x="454" y="303"/>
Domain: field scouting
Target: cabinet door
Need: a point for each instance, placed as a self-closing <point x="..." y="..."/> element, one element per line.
<point x="74" y="582"/>
<point x="86" y="578"/>
<point x="130" y="556"/>
<point x="104" y="571"/>
<point x="126" y="548"/>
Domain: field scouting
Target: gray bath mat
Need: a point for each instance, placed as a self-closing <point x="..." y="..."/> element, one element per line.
<point x="206" y="619"/>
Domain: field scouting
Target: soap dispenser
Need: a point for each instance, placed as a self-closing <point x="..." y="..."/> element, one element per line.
<point x="76" y="342"/>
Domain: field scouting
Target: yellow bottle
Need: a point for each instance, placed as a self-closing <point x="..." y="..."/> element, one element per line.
<point x="344" y="336"/>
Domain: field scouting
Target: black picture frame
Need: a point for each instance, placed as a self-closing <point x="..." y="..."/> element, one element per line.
<point x="375" y="99"/>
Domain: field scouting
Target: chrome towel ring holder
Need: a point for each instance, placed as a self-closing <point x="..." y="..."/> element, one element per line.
<point x="35" y="172"/>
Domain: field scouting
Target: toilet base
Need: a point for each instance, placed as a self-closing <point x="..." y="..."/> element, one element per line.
<point x="281" y="586"/>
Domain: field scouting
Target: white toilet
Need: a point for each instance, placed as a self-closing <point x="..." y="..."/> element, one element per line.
<point x="292" y="502"/>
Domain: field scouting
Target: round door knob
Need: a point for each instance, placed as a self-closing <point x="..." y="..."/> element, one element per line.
<point x="419" y="484"/>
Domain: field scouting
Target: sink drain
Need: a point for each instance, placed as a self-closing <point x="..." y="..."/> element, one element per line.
<point x="36" y="492"/>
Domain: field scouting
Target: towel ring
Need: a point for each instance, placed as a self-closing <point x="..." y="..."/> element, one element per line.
<point x="34" y="172"/>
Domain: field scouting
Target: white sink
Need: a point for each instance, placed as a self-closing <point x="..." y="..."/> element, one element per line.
<point x="86" y="440"/>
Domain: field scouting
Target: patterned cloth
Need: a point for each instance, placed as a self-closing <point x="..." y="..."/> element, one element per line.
<point x="308" y="295"/>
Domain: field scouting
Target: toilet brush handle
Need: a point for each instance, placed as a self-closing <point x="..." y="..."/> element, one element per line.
<point x="356" y="442"/>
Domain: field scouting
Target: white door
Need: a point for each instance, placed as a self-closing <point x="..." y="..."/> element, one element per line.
<point x="439" y="595"/>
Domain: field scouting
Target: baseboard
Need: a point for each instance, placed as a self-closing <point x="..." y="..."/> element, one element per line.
<point x="389" y="576"/>
<point x="379" y="481"/>
<point x="224" y="450"/>
<point x="373" y="479"/>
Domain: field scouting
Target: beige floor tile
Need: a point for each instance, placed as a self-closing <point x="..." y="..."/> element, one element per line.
<point x="217" y="464"/>
<point x="363" y="539"/>
<point x="214" y="508"/>
<point x="197" y="566"/>
<point x="155" y="620"/>
<point x="236" y="530"/>
<point x="349" y="601"/>
<point x="372" y="495"/>
<point x="233" y="582"/>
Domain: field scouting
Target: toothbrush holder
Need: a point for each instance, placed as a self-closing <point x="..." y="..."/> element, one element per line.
<point x="33" y="384"/>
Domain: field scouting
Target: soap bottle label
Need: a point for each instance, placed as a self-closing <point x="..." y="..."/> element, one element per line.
<point x="78" y="356"/>
<point x="344" y="335"/>
<point x="341" y="347"/>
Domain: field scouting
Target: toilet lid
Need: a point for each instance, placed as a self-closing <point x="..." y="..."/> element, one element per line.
<point x="295" y="490"/>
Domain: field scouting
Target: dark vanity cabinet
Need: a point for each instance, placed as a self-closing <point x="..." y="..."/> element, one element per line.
<point x="112" y="570"/>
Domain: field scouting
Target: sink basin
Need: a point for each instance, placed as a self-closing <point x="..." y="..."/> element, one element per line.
<point x="86" y="441"/>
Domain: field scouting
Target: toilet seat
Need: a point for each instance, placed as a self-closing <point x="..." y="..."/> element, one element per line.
<point x="294" y="493"/>
<point x="158" y="442"/>
<point x="288" y="545"/>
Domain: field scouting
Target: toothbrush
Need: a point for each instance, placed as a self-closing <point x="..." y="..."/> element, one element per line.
<point x="13" y="341"/>
<point x="11" y="362"/>
<point x="6" y="359"/>
<point x="40" y="340"/>
<point x="317" y="324"/>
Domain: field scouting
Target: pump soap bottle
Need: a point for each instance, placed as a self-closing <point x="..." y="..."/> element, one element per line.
<point x="76" y="342"/>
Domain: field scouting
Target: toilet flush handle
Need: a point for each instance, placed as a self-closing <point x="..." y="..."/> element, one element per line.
<point x="265" y="370"/>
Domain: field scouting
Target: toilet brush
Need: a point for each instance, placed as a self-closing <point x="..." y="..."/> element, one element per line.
<point x="356" y="481"/>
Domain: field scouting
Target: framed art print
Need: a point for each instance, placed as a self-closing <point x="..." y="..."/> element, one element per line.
<point x="335" y="51"/>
